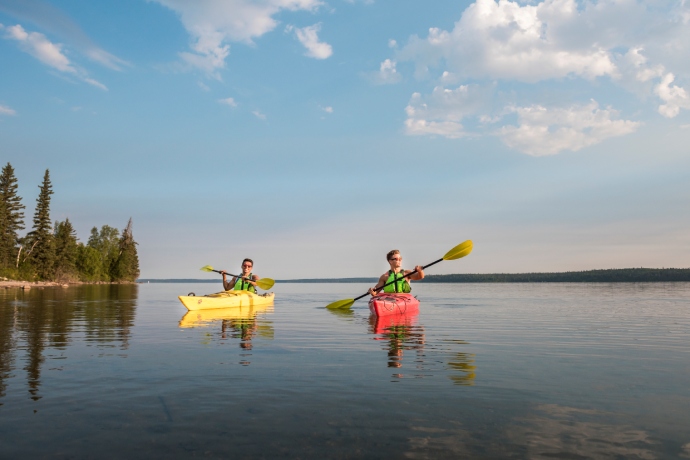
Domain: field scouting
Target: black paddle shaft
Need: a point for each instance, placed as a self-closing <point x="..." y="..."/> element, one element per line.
<point x="237" y="276"/>
<point x="409" y="274"/>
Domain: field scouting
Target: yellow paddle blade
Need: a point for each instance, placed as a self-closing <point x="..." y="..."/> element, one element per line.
<point x="206" y="268"/>
<point x="265" y="283"/>
<point x="461" y="250"/>
<point x="347" y="303"/>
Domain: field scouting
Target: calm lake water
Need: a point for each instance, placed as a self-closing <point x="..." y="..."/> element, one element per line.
<point x="484" y="371"/>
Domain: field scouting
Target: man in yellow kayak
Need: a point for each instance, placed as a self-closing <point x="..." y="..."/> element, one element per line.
<point x="245" y="282"/>
<point x="398" y="274"/>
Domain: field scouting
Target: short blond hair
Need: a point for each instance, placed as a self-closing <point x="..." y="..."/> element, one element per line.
<point x="391" y="254"/>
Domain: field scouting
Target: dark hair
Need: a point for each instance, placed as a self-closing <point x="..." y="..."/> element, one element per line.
<point x="389" y="255"/>
<point x="248" y="260"/>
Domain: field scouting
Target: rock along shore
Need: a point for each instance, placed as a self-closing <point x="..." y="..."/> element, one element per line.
<point x="26" y="285"/>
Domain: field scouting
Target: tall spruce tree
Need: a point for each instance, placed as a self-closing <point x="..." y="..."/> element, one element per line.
<point x="66" y="250"/>
<point x="11" y="217"/>
<point x="126" y="266"/>
<point x="40" y="241"/>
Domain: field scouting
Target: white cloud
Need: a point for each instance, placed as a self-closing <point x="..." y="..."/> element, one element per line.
<point x="504" y="40"/>
<point x="5" y="110"/>
<point x="95" y="83"/>
<point x="542" y="131"/>
<point x="41" y="48"/>
<point x="213" y="24"/>
<point x="392" y="43"/>
<point x="309" y="37"/>
<point x="259" y="115"/>
<point x="420" y="127"/>
<point x="327" y="109"/>
<point x="509" y="45"/>
<point x="52" y="20"/>
<point x="675" y="97"/>
<point x="49" y="53"/>
<point x="387" y="74"/>
<point x="441" y="113"/>
<point x="228" y="101"/>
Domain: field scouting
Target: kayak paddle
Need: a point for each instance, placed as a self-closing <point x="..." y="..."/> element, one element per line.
<point x="461" y="250"/>
<point x="263" y="283"/>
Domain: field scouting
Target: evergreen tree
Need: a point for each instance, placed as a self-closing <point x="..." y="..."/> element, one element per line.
<point x="66" y="250"/>
<point x="40" y="241"/>
<point x="106" y="242"/>
<point x="89" y="263"/>
<point x="126" y="267"/>
<point x="11" y="217"/>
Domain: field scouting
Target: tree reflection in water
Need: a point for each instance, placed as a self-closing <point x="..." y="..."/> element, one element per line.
<point x="48" y="319"/>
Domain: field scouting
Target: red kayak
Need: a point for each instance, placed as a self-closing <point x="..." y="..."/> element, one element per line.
<point x="393" y="303"/>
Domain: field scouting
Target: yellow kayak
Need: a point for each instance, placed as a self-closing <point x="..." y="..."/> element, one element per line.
<point x="199" y="318"/>
<point x="226" y="299"/>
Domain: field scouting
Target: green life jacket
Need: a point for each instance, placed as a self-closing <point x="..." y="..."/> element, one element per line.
<point x="400" y="285"/>
<point x="244" y="285"/>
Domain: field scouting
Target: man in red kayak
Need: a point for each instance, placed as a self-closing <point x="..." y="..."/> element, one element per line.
<point x="245" y="282"/>
<point x="397" y="274"/>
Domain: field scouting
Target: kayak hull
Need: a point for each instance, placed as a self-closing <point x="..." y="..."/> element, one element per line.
<point x="226" y="299"/>
<point x="386" y="304"/>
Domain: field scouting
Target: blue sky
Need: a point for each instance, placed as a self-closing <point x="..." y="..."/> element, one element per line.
<point x="314" y="136"/>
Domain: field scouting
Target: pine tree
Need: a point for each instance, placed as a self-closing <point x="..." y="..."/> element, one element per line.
<point x="126" y="267"/>
<point x="40" y="241"/>
<point x="11" y="217"/>
<point x="66" y="250"/>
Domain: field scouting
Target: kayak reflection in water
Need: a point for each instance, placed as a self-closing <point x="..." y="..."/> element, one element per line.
<point x="245" y="282"/>
<point x="243" y="329"/>
<point x="397" y="274"/>
<point x="401" y="332"/>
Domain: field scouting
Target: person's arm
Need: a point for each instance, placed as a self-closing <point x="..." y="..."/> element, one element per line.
<point x="228" y="286"/>
<point x="253" y="281"/>
<point x="378" y="286"/>
<point x="417" y="276"/>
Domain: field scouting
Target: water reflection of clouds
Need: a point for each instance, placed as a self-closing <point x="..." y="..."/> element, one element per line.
<point x="559" y="431"/>
<point x="552" y="431"/>
<point x="686" y="451"/>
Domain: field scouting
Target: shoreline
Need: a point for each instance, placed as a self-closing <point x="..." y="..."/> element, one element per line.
<point x="27" y="285"/>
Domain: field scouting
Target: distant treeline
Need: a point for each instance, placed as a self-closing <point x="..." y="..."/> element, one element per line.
<point x="179" y="280"/>
<point x="623" y="275"/>
<point x="51" y="252"/>
<point x="330" y="280"/>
